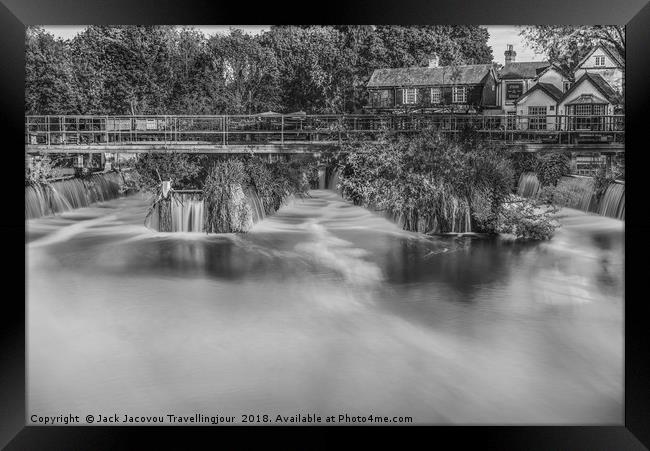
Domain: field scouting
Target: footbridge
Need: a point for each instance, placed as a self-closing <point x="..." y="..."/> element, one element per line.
<point x="271" y="133"/>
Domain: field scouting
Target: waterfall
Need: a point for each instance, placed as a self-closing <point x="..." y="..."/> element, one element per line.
<point x="613" y="202"/>
<point x="256" y="205"/>
<point x="528" y="185"/>
<point x="187" y="212"/>
<point x="68" y="194"/>
<point x="333" y="180"/>
<point x="450" y="216"/>
<point x="578" y="192"/>
<point x="322" y="183"/>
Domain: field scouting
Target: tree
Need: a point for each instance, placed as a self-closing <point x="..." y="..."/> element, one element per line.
<point x="245" y="73"/>
<point x="312" y="65"/>
<point x="49" y="80"/>
<point x="566" y="45"/>
<point x="125" y="69"/>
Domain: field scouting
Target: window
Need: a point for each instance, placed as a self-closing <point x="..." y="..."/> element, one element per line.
<point x="381" y="99"/>
<point x="537" y="121"/>
<point x="587" y="116"/>
<point x="600" y="61"/>
<point x="435" y="95"/>
<point x="409" y="96"/>
<point x="459" y="94"/>
<point x="566" y="86"/>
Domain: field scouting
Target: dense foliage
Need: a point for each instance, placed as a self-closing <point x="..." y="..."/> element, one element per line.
<point x="226" y="207"/>
<point x="178" y="70"/>
<point x="227" y="184"/>
<point x="439" y="185"/>
<point x="566" y="45"/>
<point x="551" y="166"/>
<point x="42" y="170"/>
<point x="183" y="170"/>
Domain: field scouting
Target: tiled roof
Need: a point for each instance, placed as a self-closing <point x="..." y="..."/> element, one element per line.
<point x="600" y="84"/>
<point x="552" y="90"/>
<point x="614" y="54"/>
<point x="610" y="50"/>
<point x="548" y="88"/>
<point x="523" y="69"/>
<point x="424" y="76"/>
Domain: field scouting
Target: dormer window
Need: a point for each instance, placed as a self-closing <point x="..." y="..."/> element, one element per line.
<point x="600" y="61"/>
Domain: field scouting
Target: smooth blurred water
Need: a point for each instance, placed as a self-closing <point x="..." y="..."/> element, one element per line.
<point x="324" y="308"/>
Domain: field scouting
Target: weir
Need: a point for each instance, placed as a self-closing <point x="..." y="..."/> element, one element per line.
<point x="582" y="195"/>
<point x="65" y="195"/>
<point x="188" y="213"/>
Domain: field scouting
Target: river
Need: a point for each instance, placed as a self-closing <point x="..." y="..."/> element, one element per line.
<point x="324" y="308"/>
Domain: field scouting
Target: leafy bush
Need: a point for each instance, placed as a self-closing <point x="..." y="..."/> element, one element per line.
<point x="226" y="207"/>
<point x="183" y="170"/>
<point x="568" y="192"/>
<point x="274" y="182"/>
<point x="525" y="219"/>
<point x="41" y="172"/>
<point x="601" y="181"/>
<point x="430" y="182"/>
<point x="551" y="166"/>
<point x="524" y="162"/>
<point x="436" y="184"/>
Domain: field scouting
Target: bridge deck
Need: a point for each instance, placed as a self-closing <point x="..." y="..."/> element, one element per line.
<point x="306" y="133"/>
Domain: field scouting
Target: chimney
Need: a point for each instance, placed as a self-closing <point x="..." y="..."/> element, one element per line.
<point x="510" y="54"/>
<point x="433" y="60"/>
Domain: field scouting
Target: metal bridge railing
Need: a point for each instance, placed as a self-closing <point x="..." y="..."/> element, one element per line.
<point x="62" y="130"/>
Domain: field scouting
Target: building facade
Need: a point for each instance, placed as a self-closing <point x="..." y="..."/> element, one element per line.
<point x="531" y="95"/>
<point x="460" y="89"/>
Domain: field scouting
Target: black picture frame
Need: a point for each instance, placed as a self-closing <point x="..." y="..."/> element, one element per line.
<point x="16" y="14"/>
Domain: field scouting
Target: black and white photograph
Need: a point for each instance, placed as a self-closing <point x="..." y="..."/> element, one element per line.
<point x="325" y="224"/>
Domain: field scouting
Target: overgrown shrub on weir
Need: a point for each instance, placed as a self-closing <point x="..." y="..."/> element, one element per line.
<point x="41" y="172"/>
<point x="225" y="182"/>
<point x="438" y="184"/>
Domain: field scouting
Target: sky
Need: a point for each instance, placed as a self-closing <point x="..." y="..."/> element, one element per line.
<point x="500" y="36"/>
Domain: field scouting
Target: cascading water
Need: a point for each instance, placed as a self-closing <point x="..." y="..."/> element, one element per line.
<point x="580" y="194"/>
<point x="187" y="212"/>
<point x="65" y="195"/>
<point x="333" y="180"/>
<point x="528" y="185"/>
<point x="256" y="205"/>
<point x="322" y="178"/>
<point x="613" y="202"/>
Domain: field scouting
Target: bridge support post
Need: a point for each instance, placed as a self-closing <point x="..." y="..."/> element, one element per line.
<point x="573" y="163"/>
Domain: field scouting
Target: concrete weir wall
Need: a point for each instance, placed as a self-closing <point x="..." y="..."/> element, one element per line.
<point x="186" y="211"/>
<point x="582" y="194"/>
<point x="70" y="193"/>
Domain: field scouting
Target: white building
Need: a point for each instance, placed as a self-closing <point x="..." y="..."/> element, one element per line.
<point x="516" y="79"/>
<point x="606" y="62"/>
<point x="591" y="96"/>
<point x="544" y="92"/>
<point x="538" y="106"/>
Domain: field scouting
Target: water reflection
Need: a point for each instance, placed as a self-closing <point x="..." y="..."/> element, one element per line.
<point x="324" y="308"/>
